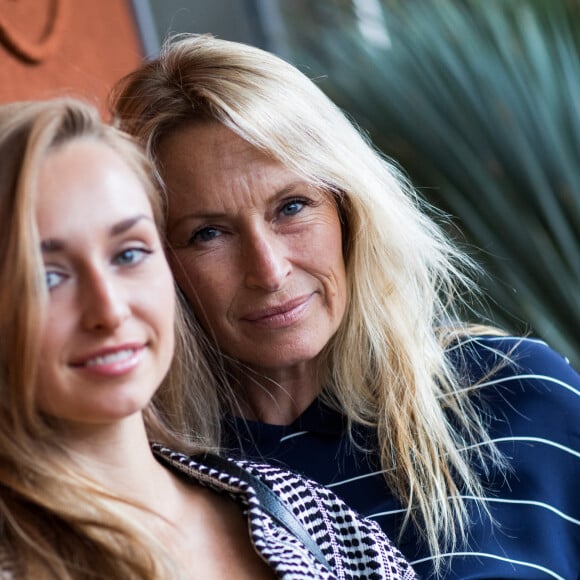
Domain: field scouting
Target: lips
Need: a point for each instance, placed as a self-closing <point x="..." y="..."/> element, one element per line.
<point x="280" y="314"/>
<point x="117" y="360"/>
<point x="110" y="358"/>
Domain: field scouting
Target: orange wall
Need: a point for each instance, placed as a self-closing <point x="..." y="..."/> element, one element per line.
<point x="75" y="47"/>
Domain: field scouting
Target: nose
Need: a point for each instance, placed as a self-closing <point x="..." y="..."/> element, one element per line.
<point x="266" y="261"/>
<point x="103" y="304"/>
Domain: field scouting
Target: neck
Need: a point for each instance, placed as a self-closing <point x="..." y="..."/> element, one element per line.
<point x="277" y="396"/>
<point x="119" y="457"/>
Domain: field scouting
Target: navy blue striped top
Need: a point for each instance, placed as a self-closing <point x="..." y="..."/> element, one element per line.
<point x="534" y="409"/>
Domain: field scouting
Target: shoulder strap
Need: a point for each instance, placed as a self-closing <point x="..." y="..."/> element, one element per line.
<point x="269" y="501"/>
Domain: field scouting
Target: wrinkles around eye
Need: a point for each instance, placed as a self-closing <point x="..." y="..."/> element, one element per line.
<point x="206" y="234"/>
<point x="292" y="207"/>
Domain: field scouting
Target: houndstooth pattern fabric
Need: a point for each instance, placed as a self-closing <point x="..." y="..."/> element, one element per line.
<point x="354" y="547"/>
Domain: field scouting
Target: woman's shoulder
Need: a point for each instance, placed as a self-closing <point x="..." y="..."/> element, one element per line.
<point x="527" y="352"/>
<point x="353" y="543"/>
<point x="526" y="365"/>
<point x="528" y="396"/>
<point x="356" y="546"/>
<point x="529" y="399"/>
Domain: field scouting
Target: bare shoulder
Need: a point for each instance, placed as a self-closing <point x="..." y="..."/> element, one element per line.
<point x="215" y="538"/>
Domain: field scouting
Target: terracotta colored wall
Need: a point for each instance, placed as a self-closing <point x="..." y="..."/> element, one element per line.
<point x="76" y="47"/>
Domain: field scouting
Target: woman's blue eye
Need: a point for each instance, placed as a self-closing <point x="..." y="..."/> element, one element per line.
<point x="205" y="235"/>
<point x="292" y="207"/>
<point x="53" y="279"/>
<point x="131" y="256"/>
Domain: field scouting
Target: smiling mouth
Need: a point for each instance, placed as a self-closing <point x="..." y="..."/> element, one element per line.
<point x="279" y="316"/>
<point x="111" y="358"/>
<point x="112" y="362"/>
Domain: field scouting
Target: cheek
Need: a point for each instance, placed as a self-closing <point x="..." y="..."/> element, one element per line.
<point x="327" y="249"/>
<point x="185" y="273"/>
<point x="336" y="267"/>
<point x="208" y="287"/>
<point x="155" y="296"/>
<point x="56" y="331"/>
<point x="163" y="299"/>
<point x="162" y="308"/>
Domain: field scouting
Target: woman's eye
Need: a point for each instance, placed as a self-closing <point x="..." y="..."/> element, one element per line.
<point x="131" y="256"/>
<point x="53" y="279"/>
<point x="292" y="207"/>
<point x="204" y="235"/>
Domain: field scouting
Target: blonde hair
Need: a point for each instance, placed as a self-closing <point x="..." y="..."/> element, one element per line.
<point x="386" y="366"/>
<point x="55" y="522"/>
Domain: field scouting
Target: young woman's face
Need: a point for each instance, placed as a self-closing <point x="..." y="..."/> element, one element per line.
<point x="108" y="338"/>
<point x="257" y="251"/>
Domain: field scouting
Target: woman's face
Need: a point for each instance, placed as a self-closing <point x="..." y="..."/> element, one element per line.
<point x="257" y="250"/>
<point x="107" y="340"/>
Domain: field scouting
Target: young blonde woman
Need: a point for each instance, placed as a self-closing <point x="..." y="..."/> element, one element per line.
<point x="88" y="324"/>
<point x="330" y="298"/>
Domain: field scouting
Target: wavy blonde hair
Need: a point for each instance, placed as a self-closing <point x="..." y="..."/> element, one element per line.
<point x="55" y="522"/>
<point x="386" y="367"/>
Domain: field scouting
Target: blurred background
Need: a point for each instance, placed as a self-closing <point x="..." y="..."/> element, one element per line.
<point x="478" y="101"/>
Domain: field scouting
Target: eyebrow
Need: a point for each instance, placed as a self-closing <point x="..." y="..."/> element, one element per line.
<point x="284" y="190"/>
<point x="55" y="245"/>
<point x="127" y="224"/>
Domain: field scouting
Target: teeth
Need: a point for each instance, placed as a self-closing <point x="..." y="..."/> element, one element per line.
<point x="110" y="358"/>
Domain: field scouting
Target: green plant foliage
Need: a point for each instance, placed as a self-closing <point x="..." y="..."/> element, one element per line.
<point x="479" y="102"/>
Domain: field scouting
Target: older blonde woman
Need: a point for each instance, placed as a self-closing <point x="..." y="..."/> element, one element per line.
<point x="330" y="299"/>
<point x="93" y="479"/>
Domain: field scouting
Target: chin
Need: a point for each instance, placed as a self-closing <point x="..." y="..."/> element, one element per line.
<point x="276" y="363"/>
<point x="117" y="411"/>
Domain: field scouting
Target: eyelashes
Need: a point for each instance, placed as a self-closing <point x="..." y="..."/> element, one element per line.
<point x="131" y="257"/>
<point x="289" y="208"/>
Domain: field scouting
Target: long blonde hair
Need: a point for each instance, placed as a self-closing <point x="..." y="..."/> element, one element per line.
<point x="386" y="366"/>
<point x="55" y="522"/>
